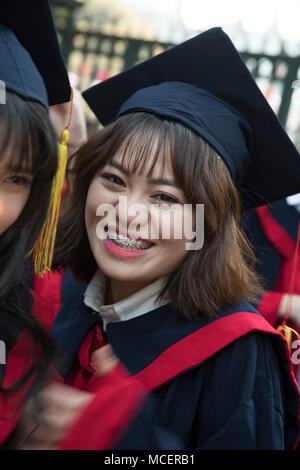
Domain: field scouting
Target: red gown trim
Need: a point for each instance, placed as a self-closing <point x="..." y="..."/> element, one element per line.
<point x="275" y="233"/>
<point x="285" y="246"/>
<point x="204" y="343"/>
<point x="119" y="399"/>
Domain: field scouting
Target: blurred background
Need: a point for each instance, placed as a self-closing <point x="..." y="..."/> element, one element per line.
<point x="100" y="38"/>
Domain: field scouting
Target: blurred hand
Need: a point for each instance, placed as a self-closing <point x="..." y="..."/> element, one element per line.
<point x="78" y="130"/>
<point x="294" y="313"/>
<point x="45" y="422"/>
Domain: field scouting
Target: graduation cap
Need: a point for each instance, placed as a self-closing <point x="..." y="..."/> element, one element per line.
<point x="204" y="84"/>
<point x="31" y="63"/>
<point x="32" y="66"/>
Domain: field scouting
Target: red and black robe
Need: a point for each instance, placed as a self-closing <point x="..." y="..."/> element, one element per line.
<point x="213" y="383"/>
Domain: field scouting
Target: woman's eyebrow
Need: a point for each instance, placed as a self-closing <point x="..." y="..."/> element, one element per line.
<point x="152" y="181"/>
<point x="162" y="181"/>
<point x="20" y="169"/>
<point x="120" y="167"/>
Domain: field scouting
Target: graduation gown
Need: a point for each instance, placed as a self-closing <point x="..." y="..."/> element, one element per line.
<point x="48" y="299"/>
<point x="44" y="303"/>
<point x="215" y="383"/>
<point x="272" y="231"/>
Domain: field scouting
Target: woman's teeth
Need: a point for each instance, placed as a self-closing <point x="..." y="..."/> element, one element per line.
<point x="127" y="243"/>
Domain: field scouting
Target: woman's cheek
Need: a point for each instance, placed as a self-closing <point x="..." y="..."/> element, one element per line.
<point x="11" y="206"/>
<point x="174" y="225"/>
<point x="92" y="202"/>
<point x="172" y="238"/>
<point x="97" y="195"/>
<point x="185" y="225"/>
<point x="93" y="199"/>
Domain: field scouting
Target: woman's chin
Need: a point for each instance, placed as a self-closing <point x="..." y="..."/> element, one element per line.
<point x="143" y="268"/>
<point x="124" y="274"/>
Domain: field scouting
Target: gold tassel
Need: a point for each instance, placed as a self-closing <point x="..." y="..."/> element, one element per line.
<point x="44" y="246"/>
<point x="287" y="333"/>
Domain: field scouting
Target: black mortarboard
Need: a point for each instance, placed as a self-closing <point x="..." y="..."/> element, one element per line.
<point x="32" y="66"/>
<point x="204" y="84"/>
<point x="31" y="63"/>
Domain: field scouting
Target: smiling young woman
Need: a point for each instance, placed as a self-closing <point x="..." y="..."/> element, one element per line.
<point x="192" y="127"/>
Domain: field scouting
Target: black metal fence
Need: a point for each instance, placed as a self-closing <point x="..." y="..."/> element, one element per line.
<point x="95" y="56"/>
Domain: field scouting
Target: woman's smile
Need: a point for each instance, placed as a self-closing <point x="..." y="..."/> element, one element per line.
<point x="128" y="242"/>
<point x="118" y="248"/>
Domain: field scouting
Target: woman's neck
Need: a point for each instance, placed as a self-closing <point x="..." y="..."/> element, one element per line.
<point x="120" y="290"/>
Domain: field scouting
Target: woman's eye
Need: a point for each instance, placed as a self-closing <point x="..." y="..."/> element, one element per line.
<point x="162" y="197"/>
<point x="113" y="179"/>
<point x="18" y="180"/>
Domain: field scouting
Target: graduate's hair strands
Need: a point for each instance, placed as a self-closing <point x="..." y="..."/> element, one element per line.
<point x="222" y="272"/>
<point x="28" y="141"/>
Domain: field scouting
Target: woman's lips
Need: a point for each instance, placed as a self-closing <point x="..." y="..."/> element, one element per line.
<point x="123" y="252"/>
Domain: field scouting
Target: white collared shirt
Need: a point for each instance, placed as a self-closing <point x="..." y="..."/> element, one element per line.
<point x="294" y="201"/>
<point x="136" y="304"/>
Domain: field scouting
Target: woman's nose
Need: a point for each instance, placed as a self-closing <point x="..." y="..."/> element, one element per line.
<point x="132" y="211"/>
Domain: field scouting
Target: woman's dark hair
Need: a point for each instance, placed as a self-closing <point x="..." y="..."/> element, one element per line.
<point x="222" y="272"/>
<point x="28" y="141"/>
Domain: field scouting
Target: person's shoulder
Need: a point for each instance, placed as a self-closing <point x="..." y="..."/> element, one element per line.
<point x="255" y="329"/>
<point x="242" y="306"/>
<point x="237" y="333"/>
<point x="247" y="334"/>
<point x="245" y="360"/>
<point x="255" y="341"/>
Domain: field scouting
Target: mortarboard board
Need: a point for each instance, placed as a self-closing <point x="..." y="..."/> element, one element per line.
<point x="204" y="84"/>
<point x="31" y="63"/>
<point x="32" y="66"/>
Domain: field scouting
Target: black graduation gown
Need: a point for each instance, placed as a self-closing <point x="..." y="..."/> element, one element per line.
<point x="214" y="383"/>
<point x="18" y="358"/>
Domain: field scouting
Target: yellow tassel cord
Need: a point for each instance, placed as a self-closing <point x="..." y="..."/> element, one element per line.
<point x="285" y="330"/>
<point x="287" y="333"/>
<point x="44" y="246"/>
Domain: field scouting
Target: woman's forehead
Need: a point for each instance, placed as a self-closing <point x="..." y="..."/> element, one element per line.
<point x="16" y="158"/>
<point x="154" y="165"/>
<point x="145" y="153"/>
<point x="9" y="158"/>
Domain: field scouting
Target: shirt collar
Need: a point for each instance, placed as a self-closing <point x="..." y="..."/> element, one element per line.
<point x="294" y="201"/>
<point x="137" y="304"/>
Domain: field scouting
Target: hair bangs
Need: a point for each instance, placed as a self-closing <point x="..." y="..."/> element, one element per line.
<point x="15" y="144"/>
<point x="145" y="139"/>
<point x="143" y="142"/>
<point x="27" y="141"/>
